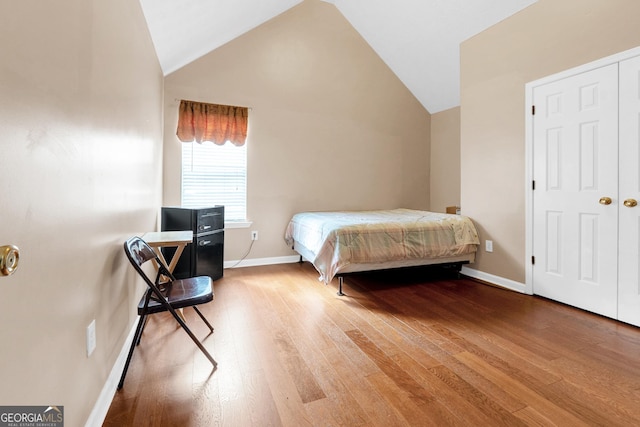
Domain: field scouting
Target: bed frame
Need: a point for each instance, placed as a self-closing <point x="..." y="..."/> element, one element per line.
<point x="455" y="262"/>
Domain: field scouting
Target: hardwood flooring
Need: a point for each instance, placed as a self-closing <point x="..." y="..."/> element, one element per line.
<point x="415" y="347"/>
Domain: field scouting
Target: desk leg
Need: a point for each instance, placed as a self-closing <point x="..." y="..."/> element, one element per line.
<point x="158" y="252"/>
<point x="176" y="257"/>
<point x="170" y="266"/>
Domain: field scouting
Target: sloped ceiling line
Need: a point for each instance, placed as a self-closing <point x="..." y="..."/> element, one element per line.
<point x="418" y="39"/>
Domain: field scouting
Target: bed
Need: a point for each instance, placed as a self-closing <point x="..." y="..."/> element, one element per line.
<point x="353" y="241"/>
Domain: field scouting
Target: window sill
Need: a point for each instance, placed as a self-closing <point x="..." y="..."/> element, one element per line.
<point x="237" y="224"/>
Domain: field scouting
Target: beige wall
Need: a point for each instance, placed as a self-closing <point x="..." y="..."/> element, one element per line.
<point x="331" y="127"/>
<point x="81" y="121"/>
<point x="445" y="160"/>
<point x="548" y="37"/>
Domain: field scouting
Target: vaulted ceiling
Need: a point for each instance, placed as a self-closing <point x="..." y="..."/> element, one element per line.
<point x="418" y="39"/>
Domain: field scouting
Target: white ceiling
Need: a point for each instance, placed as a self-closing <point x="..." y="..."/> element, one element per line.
<point x="418" y="39"/>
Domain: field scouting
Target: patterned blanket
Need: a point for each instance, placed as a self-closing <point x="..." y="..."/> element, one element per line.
<point x="338" y="239"/>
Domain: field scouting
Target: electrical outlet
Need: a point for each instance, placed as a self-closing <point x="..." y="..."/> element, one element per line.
<point x="91" y="337"/>
<point x="488" y="245"/>
<point x="254" y="235"/>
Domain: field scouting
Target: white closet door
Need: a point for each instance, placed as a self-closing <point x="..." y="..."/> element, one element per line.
<point x="575" y="164"/>
<point x="629" y="267"/>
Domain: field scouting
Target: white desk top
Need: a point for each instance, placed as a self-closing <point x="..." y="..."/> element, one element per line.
<point x="168" y="238"/>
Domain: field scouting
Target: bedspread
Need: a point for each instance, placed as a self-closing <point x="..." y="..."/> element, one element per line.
<point x="338" y="239"/>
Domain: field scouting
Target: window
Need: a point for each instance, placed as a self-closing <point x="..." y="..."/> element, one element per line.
<point x="214" y="170"/>
<point x="215" y="175"/>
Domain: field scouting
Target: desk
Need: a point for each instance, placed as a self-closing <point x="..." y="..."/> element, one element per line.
<point x="162" y="239"/>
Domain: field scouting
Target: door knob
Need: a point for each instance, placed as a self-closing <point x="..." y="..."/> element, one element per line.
<point x="630" y="203"/>
<point x="9" y="256"/>
<point x="605" y="200"/>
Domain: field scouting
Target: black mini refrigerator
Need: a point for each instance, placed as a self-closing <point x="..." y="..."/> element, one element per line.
<point x="205" y="255"/>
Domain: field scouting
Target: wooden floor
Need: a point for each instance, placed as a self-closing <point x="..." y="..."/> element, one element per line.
<point x="412" y="348"/>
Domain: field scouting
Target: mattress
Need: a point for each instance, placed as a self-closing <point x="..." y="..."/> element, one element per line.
<point x="336" y="242"/>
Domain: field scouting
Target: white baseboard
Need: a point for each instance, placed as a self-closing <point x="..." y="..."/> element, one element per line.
<point x="494" y="280"/>
<point x="254" y="262"/>
<point x="100" y="409"/>
<point x="485" y="277"/>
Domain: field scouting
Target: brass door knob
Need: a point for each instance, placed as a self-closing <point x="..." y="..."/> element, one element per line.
<point x="630" y="203"/>
<point x="9" y="256"/>
<point x="605" y="200"/>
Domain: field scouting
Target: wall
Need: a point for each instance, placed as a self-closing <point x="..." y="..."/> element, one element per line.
<point x="547" y="37"/>
<point x="445" y="159"/>
<point x="81" y="120"/>
<point x="330" y="126"/>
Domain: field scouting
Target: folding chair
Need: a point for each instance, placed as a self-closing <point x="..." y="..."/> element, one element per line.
<point x="169" y="296"/>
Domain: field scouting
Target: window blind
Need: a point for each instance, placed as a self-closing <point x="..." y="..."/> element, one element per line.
<point x="215" y="175"/>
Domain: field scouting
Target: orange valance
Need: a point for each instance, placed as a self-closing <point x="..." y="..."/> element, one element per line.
<point x="199" y="122"/>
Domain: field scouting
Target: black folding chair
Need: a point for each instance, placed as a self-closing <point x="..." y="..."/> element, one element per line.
<point x="169" y="296"/>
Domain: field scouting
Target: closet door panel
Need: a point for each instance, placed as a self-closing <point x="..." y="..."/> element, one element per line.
<point x="575" y="164"/>
<point x="629" y="216"/>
